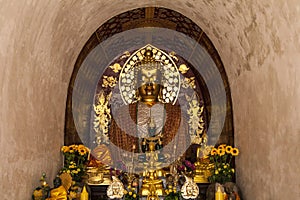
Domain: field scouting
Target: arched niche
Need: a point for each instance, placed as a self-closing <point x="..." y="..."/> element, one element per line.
<point x="98" y="53"/>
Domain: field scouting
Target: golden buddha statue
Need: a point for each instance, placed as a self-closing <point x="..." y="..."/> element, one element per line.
<point x="153" y="193"/>
<point x="170" y="133"/>
<point x="58" y="192"/>
<point x="203" y="165"/>
<point x="151" y="179"/>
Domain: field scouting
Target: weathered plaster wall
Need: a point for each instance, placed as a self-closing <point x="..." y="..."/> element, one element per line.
<point x="257" y="40"/>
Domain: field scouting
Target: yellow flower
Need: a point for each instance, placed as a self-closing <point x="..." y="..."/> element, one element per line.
<point x="232" y="170"/>
<point x="72" y="148"/>
<point x="130" y="193"/>
<point x="125" y="192"/>
<point x="82" y="150"/>
<point x="65" y="149"/>
<point x="214" y="151"/>
<point x="68" y="171"/>
<point x="225" y="166"/>
<point x="167" y="192"/>
<point x="235" y="151"/>
<point x="228" y="149"/>
<point x="221" y="152"/>
<point x="222" y="146"/>
<point x="170" y="190"/>
<point x="216" y="172"/>
<point x="129" y="186"/>
<point x="134" y="195"/>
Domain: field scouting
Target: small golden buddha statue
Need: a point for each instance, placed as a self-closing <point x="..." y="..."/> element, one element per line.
<point x="202" y="165"/>
<point x="58" y="192"/>
<point x="151" y="179"/>
<point x="153" y="193"/>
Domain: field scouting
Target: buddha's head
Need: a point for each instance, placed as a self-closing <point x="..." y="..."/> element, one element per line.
<point x="149" y="80"/>
<point x="57" y="182"/>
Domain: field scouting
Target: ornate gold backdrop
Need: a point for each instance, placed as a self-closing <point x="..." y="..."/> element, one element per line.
<point x="117" y="87"/>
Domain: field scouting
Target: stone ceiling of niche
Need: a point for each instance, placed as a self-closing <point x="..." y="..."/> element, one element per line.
<point x="149" y="17"/>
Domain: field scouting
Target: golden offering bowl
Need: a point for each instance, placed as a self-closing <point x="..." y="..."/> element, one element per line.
<point x="96" y="179"/>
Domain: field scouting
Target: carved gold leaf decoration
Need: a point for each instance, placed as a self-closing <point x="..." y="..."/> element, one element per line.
<point x="109" y="81"/>
<point x="126" y="54"/>
<point x="102" y="117"/>
<point x="172" y="55"/>
<point x="188" y="82"/>
<point x="196" y="121"/>
<point x="183" y="68"/>
<point x="116" y="67"/>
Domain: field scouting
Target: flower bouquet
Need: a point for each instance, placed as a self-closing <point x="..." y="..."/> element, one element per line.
<point x="221" y="157"/>
<point x="172" y="193"/>
<point x="187" y="168"/>
<point x="130" y="193"/>
<point x="75" y="159"/>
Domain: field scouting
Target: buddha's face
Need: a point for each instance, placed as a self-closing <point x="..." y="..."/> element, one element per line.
<point x="148" y="85"/>
<point x="57" y="182"/>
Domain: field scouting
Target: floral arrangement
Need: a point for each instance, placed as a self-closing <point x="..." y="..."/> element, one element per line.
<point x="130" y="193"/>
<point x="221" y="157"/>
<point x="75" y="159"/>
<point x="186" y="166"/>
<point x="172" y="193"/>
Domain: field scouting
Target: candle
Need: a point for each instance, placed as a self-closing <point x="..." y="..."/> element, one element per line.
<point x="219" y="195"/>
<point x="89" y="154"/>
<point x="84" y="194"/>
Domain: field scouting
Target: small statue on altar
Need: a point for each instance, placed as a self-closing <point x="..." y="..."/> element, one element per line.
<point x="58" y="192"/>
<point x="170" y="181"/>
<point x="116" y="189"/>
<point x="203" y="165"/>
<point x="151" y="179"/>
<point x="153" y="193"/>
<point x="189" y="189"/>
